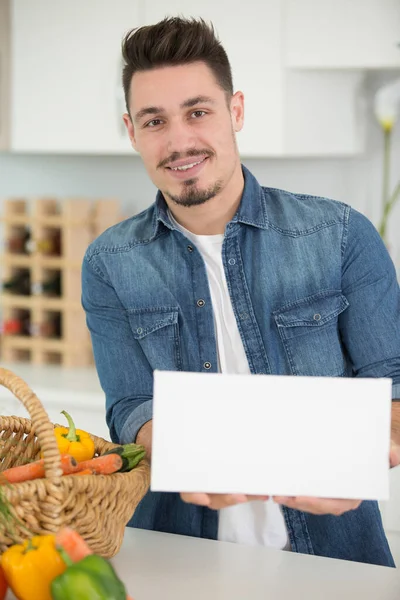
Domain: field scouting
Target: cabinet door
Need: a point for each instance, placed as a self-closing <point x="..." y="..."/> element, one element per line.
<point x="324" y="113"/>
<point x="251" y="37"/>
<point x="342" y="33"/>
<point x="66" y="65"/>
<point x="4" y="73"/>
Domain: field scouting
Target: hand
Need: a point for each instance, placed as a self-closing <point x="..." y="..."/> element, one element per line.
<point x="394" y="454"/>
<point x="218" y="501"/>
<point x="144" y="437"/>
<point x="318" y="506"/>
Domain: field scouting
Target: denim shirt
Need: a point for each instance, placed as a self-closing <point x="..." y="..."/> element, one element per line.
<point x="314" y="292"/>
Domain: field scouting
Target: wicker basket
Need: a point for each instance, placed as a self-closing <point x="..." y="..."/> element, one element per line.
<point x="97" y="506"/>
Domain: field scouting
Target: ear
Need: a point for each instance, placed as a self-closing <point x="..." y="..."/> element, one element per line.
<point x="237" y="111"/>
<point x="131" y="129"/>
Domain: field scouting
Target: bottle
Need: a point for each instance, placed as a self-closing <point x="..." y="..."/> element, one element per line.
<point x="19" y="325"/>
<point x="49" y="287"/>
<point x="51" y="245"/>
<point x="19" y="283"/>
<point x="49" y="328"/>
<point x="20" y="243"/>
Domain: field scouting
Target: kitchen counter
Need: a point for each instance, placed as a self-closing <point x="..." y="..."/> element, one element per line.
<point x="157" y="566"/>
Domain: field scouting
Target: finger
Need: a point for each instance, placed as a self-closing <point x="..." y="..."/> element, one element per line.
<point x="394" y="455"/>
<point x="260" y="498"/>
<point x="319" y="506"/>
<point x="219" y="501"/>
<point x="200" y="499"/>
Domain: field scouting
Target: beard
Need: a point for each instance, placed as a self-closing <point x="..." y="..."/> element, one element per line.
<point x="192" y="195"/>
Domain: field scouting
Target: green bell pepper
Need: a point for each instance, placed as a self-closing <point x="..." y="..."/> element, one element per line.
<point x="92" y="578"/>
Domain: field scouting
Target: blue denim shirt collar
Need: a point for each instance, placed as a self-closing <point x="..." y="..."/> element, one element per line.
<point x="251" y="211"/>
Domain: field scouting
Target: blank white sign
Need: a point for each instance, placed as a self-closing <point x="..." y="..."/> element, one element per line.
<point x="271" y="435"/>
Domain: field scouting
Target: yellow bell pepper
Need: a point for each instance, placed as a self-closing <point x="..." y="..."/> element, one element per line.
<point x="73" y="441"/>
<point x="31" y="567"/>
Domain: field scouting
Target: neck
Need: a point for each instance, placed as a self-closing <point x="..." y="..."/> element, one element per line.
<point x="211" y="217"/>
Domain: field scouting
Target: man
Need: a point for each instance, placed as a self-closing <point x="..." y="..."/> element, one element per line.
<point x="201" y="280"/>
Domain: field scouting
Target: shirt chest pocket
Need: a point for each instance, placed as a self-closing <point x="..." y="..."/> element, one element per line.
<point x="309" y="331"/>
<point x="157" y="332"/>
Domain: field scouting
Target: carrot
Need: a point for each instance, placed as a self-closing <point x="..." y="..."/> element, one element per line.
<point x="83" y="472"/>
<point x="73" y="544"/>
<point x="102" y="465"/>
<point x="35" y="470"/>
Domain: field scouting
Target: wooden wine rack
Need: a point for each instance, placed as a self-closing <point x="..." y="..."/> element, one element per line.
<point x="79" y="221"/>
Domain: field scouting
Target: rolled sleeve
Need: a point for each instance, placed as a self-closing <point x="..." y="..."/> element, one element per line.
<point x="141" y="415"/>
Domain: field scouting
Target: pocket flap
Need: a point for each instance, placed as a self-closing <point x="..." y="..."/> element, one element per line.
<point x="146" y="321"/>
<point x="313" y="311"/>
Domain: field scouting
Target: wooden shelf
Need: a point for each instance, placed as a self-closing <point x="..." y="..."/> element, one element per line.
<point x="17" y="260"/>
<point x="58" y="221"/>
<point x="56" y="262"/>
<point x="17" y="220"/>
<point x="79" y="221"/>
<point x="23" y="342"/>
<point x="39" y="260"/>
<point x="40" y="301"/>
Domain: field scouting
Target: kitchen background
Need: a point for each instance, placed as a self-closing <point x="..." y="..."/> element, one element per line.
<point x="309" y="69"/>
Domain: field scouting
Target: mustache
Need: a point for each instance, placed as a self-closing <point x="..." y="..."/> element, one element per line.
<point x="179" y="155"/>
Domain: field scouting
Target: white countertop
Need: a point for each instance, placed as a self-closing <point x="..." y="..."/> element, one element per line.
<point x="157" y="566"/>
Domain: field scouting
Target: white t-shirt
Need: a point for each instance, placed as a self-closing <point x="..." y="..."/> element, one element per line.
<point x="255" y="523"/>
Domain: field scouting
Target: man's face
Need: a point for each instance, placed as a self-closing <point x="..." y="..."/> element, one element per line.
<point x="184" y="130"/>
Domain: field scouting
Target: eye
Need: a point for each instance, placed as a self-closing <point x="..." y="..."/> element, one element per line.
<point x="153" y="123"/>
<point x="199" y="113"/>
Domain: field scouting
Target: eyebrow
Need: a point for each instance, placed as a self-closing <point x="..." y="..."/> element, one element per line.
<point x="190" y="102"/>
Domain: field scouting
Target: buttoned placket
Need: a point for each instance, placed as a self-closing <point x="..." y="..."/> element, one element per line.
<point x="203" y="312"/>
<point x="241" y="301"/>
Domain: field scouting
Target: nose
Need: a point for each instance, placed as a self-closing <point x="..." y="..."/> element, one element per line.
<point x="180" y="136"/>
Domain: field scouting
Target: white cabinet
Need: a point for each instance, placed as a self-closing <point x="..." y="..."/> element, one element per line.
<point x="299" y="63"/>
<point x="325" y="113"/>
<point x="4" y="73"/>
<point x="342" y="34"/>
<point x="251" y="36"/>
<point x="66" y="67"/>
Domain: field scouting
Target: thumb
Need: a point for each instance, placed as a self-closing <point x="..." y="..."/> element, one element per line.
<point x="394" y="454"/>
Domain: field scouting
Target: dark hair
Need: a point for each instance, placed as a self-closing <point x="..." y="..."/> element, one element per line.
<point x="171" y="42"/>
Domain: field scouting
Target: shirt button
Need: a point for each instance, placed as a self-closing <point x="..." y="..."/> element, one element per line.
<point x="317" y="317"/>
<point x="207" y="365"/>
<point x="190" y="248"/>
<point x="139" y="330"/>
<point x="232" y="261"/>
<point x="200" y="303"/>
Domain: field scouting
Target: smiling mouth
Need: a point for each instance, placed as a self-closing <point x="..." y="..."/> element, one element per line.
<point x="189" y="166"/>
